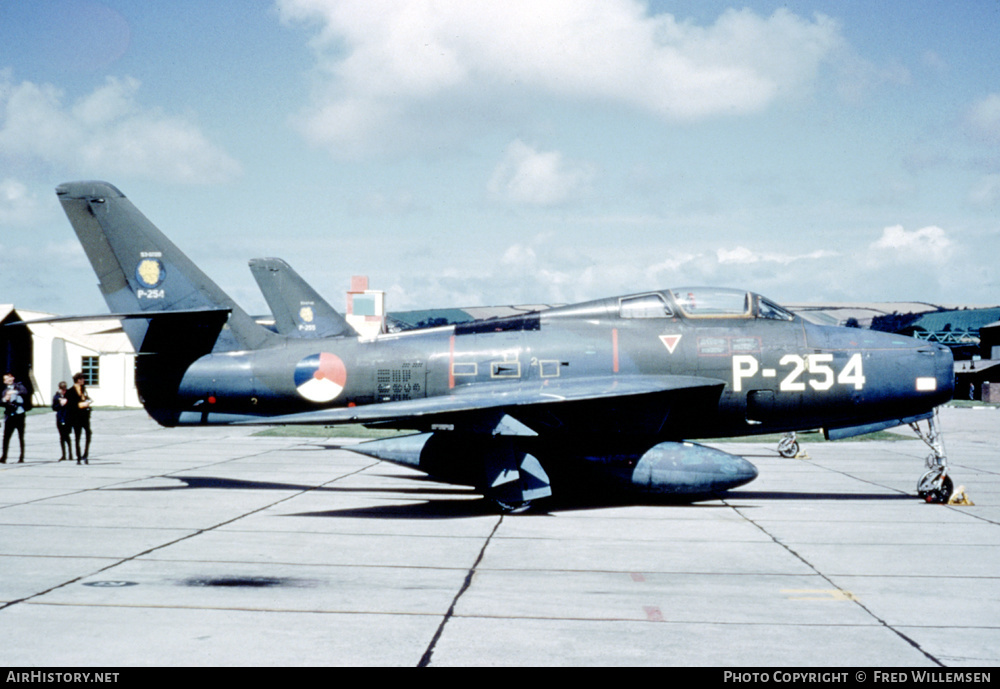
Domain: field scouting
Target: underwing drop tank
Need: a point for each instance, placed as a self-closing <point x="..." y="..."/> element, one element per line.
<point x="674" y="468"/>
<point x="668" y="468"/>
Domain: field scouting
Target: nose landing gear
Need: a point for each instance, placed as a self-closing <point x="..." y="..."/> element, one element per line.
<point x="935" y="486"/>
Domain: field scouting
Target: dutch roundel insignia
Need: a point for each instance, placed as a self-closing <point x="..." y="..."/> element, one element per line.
<point x="320" y="377"/>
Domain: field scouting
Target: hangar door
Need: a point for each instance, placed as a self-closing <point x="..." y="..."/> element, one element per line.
<point x="16" y="350"/>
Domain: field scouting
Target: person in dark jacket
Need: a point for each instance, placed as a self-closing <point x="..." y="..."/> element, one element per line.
<point x="78" y="403"/>
<point x="15" y="404"/>
<point x="59" y="406"/>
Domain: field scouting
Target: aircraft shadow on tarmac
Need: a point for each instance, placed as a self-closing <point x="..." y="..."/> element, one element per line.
<point x="458" y="509"/>
<point x="455" y="502"/>
<point x="787" y="495"/>
<point x="217" y="483"/>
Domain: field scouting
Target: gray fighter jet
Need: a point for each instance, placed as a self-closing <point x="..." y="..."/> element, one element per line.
<point x="298" y="309"/>
<point x="603" y="392"/>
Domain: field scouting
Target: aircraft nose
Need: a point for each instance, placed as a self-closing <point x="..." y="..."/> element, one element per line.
<point x="942" y="383"/>
<point x="945" y="372"/>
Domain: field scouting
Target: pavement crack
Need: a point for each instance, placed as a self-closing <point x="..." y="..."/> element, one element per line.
<point x="199" y="532"/>
<point x="425" y="660"/>
<point x="853" y="599"/>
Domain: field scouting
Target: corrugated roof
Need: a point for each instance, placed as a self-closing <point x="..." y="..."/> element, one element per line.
<point x="963" y="320"/>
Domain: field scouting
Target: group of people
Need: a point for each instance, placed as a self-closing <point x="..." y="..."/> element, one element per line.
<point x="72" y="408"/>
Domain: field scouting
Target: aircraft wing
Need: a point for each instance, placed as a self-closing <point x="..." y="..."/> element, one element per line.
<point x="491" y="399"/>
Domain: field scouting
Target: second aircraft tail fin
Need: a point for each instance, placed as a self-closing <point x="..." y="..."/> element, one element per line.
<point x="299" y="311"/>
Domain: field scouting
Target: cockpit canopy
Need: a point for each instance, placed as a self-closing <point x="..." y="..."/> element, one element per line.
<point x="702" y="303"/>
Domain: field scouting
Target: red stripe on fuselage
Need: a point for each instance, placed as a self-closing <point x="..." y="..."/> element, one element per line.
<point x="614" y="348"/>
<point x="451" y="362"/>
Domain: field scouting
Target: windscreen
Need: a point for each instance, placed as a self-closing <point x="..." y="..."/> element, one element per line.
<point x="711" y="302"/>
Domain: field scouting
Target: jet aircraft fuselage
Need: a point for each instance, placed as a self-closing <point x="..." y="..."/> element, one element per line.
<point x="755" y="367"/>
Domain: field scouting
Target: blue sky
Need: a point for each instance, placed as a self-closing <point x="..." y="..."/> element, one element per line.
<point x="463" y="153"/>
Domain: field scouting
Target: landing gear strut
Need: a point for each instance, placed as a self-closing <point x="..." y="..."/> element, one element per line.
<point x="935" y="486"/>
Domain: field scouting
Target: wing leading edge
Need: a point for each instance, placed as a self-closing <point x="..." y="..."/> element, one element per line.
<point x="494" y="400"/>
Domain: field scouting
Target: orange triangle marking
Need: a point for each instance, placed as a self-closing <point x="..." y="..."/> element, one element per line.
<point x="670" y="342"/>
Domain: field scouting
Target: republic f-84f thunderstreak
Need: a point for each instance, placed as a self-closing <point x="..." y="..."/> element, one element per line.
<point x="604" y="391"/>
<point x="298" y="310"/>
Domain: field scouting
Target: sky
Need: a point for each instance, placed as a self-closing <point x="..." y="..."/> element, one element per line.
<point x="463" y="152"/>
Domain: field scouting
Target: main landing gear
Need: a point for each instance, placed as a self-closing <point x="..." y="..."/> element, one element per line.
<point x="512" y="507"/>
<point x="935" y="486"/>
<point x="788" y="446"/>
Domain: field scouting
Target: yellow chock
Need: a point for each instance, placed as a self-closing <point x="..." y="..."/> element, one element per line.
<point x="803" y="455"/>
<point x="959" y="497"/>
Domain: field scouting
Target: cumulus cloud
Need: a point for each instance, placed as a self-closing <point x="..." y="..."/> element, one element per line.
<point x="382" y="62"/>
<point x="519" y="256"/>
<point x="107" y="132"/>
<point x="545" y="269"/>
<point x="923" y="264"/>
<point x="538" y="178"/>
<point x="744" y="256"/>
<point x="929" y="243"/>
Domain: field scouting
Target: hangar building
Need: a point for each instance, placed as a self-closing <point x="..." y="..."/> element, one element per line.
<point x="42" y="354"/>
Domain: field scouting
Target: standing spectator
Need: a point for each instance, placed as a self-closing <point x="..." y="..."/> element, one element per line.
<point x="15" y="404"/>
<point x="59" y="406"/>
<point x="78" y="402"/>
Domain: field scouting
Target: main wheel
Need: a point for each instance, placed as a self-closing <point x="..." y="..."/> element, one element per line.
<point x="788" y="447"/>
<point x="512" y="507"/>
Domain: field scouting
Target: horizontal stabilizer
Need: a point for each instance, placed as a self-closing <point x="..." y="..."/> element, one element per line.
<point x="123" y="316"/>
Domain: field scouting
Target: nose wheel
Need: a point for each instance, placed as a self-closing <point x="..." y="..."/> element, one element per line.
<point x="935" y="486"/>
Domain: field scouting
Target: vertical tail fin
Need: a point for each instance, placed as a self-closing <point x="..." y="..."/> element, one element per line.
<point x="299" y="311"/>
<point x="140" y="270"/>
<point x="176" y="314"/>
